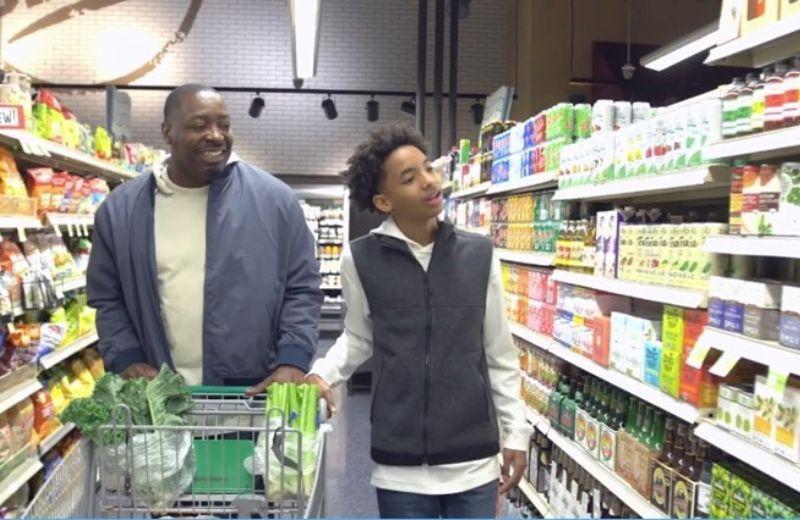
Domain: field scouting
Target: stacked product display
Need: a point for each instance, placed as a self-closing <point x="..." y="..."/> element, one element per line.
<point x="327" y="224"/>
<point x="526" y="222"/>
<point x="765" y="200"/>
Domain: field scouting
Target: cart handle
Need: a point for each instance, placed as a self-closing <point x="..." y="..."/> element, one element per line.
<point x="218" y="390"/>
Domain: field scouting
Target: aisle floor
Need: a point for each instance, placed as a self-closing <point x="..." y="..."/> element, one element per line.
<point x="348" y="492"/>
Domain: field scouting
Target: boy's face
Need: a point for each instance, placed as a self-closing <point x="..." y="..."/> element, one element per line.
<point x="411" y="188"/>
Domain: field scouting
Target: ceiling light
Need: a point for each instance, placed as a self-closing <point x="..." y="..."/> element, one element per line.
<point x="409" y="107"/>
<point x="693" y="43"/>
<point x="477" y="112"/>
<point x="372" y="110"/>
<point x="305" y="21"/>
<point x="256" y="106"/>
<point x="329" y="107"/>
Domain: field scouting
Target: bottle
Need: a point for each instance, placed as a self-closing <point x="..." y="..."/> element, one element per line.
<point x="590" y="246"/>
<point x="639" y="420"/>
<point x="687" y="458"/>
<point x="621" y="412"/>
<point x="678" y="448"/>
<point x="554" y="405"/>
<point x="745" y="104"/>
<point x="561" y="244"/>
<point x="568" y="406"/>
<point x="705" y="464"/>
<point x="656" y="440"/>
<point x="633" y="415"/>
<point x="647" y="427"/>
<point x="757" y="111"/>
<point x="543" y="468"/>
<point x="791" y="94"/>
<point x="730" y="108"/>
<point x="605" y="404"/>
<point x="594" y="405"/>
<point x="773" y="97"/>
<point x="586" y="394"/>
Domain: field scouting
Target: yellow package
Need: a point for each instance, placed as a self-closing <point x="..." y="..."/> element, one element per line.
<point x="95" y="363"/>
<point x="86" y="323"/>
<point x="11" y="182"/>
<point x="57" y="395"/>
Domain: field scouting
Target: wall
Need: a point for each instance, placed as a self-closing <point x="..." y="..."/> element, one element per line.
<point x="543" y="41"/>
<point x="364" y="45"/>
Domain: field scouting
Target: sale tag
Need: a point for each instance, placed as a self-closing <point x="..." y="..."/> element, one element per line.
<point x="725" y="364"/>
<point x="698" y="354"/>
<point x="777" y="380"/>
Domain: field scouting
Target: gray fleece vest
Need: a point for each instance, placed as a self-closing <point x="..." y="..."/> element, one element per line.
<point x="431" y="403"/>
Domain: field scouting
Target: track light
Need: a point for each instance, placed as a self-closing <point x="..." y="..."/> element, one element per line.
<point x="256" y="106"/>
<point x="477" y="112"/>
<point x="329" y="107"/>
<point x="409" y="107"/>
<point x="372" y="110"/>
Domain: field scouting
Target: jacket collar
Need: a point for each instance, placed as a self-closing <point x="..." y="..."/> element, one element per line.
<point x="160" y="173"/>
<point x="389" y="234"/>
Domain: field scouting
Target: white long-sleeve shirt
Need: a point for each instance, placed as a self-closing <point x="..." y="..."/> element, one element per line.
<point x="355" y="346"/>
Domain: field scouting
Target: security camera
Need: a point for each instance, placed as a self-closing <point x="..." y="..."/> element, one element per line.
<point x="627" y="70"/>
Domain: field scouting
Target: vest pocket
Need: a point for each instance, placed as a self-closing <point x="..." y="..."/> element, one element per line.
<point x="375" y="393"/>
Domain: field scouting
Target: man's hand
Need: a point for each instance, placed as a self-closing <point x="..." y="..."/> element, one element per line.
<point x="515" y="461"/>
<point x="324" y="392"/>
<point x="282" y="374"/>
<point x="139" y="370"/>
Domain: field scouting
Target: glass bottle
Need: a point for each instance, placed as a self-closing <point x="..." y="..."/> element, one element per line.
<point x="730" y="108"/>
<point x="791" y="94"/>
<point x="773" y="97"/>
<point x="656" y="440"/>
<point x="647" y="426"/>
<point x="757" y="112"/>
<point x="745" y="104"/>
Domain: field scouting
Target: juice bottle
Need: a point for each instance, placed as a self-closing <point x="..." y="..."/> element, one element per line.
<point x="791" y="94"/>
<point x="757" y="110"/>
<point x="745" y="104"/>
<point x="730" y="109"/>
<point x="773" y="100"/>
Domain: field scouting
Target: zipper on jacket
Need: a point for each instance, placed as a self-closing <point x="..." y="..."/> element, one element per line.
<point x="427" y="369"/>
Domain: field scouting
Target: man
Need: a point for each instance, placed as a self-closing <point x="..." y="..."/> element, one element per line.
<point x="207" y="264"/>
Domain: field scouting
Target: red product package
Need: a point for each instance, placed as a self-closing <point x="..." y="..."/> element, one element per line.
<point x="47" y="97"/>
<point x="40" y="187"/>
<point x="45" y="421"/>
<point x="539" y="129"/>
<point x="59" y="190"/>
<point x="12" y="260"/>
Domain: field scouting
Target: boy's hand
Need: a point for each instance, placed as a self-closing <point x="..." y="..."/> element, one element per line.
<point x="137" y="370"/>
<point x="515" y="461"/>
<point x="282" y="374"/>
<point x="324" y="392"/>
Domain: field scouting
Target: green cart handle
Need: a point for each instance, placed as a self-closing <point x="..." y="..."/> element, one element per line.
<point x="218" y="390"/>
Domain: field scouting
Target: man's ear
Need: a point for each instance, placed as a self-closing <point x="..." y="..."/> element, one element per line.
<point x="166" y="133"/>
<point x="382" y="203"/>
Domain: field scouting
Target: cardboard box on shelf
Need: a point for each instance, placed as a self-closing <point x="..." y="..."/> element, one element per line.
<point x="633" y="462"/>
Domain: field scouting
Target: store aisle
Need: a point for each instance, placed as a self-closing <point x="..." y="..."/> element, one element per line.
<point x="348" y="491"/>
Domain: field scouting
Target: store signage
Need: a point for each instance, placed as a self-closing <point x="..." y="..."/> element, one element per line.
<point x="12" y="117"/>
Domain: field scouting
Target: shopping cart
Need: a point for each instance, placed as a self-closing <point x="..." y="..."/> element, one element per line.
<point x="220" y="464"/>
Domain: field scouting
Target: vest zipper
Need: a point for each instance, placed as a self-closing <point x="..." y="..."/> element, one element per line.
<point x="427" y="368"/>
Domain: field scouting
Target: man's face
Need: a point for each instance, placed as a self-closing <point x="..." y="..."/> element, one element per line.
<point x="199" y="134"/>
<point x="411" y="188"/>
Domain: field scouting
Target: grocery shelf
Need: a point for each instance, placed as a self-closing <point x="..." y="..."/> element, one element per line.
<point x="19" y="477"/>
<point x="643" y="391"/>
<point x="536" y="339"/>
<point x="472" y="191"/>
<point x="55" y="155"/>
<point x="767" y="353"/>
<point x="18" y="385"/>
<point x="783" y="247"/>
<point x="54" y="438"/>
<point x="57" y="356"/>
<point x="526" y="257"/>
<point x="70" y="219"/>
<point x="613" y="482"/>
<point x="19" y="222"/>
<point x="703" y="178"/>
<point x="537" y="499"/>
<point x="657" y="293"/>
<point x="537" y="181"/>
<point x="773" y="42"/>
<point x="776" y="143"/>
<point x="331" y="287"/>
<point x="751" y="453"/>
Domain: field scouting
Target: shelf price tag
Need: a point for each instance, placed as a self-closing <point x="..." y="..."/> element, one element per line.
<point x="57" y="230"/>
<point x="725" y="364"/>
<point x="777" y="380"/>
<point x="23" y="237"/>
<point x="698" y="354"/>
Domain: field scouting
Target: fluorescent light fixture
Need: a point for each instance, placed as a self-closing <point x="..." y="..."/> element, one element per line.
<point x="305" y="20"/>
<point x="693" y="43"/>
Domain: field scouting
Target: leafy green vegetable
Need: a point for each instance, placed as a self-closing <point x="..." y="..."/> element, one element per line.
<point x="133" y="395"/>
<point x="107" y="388"/>
<point x="168" y="398"/>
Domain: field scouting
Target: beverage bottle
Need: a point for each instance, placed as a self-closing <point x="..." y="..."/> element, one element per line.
<point x="730" y="109"/>
<point x="773" y="97"/>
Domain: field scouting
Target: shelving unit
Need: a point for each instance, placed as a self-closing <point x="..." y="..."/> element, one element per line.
<point x="54" y="358"/>
<point x="73" y="285"/>
<point x="73" y="221"/>
<point x="767" y="353"/>
<point x="537" y="499"/>
<point x="537" y="181"/>
<point x="473" y="191"/>
<point x="613" y="482"/>
<point x="40" y="151"/>
<point x="772" y="144"/>
<point x="19" y="222"/>
<point x="19" y="477"/>
<point x="772" y="43"/>
<point x="526" y="257"/>
<point x="57" y="436"/>
<point x="536" y="339"/>
<point x="655" y="293"/>
<point x="777" y="467"/>
<point x="781" y="247"/>
<point x="705" y="179"/>
<point x="20" y="385"/>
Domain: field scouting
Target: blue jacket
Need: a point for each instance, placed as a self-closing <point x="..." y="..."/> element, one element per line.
<point x="262" y="285"/>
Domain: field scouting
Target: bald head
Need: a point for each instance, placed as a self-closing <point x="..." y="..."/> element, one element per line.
<point x="174" y="98"/>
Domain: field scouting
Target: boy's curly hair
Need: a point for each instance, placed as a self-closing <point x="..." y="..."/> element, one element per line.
<point x="365" y="173"/>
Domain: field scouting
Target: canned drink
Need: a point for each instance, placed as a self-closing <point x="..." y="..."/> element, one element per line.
<point x="641" y="111"/>
<point x="623" y="114"/>
<point x="603" y="116"/>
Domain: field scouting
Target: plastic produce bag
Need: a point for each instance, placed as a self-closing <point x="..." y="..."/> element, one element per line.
<point x="294" y="440"/>
<point x="161" y="467"/>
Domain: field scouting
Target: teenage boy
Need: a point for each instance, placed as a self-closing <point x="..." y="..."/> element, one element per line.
<point x="426" y="301"/>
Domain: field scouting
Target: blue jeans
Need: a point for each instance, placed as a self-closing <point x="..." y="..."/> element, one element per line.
<point x="480" y="502"/>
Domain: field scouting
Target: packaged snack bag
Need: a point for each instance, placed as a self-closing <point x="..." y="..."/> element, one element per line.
<point x="40" y="185"/>
<point x="11" y="183"/>
<point x="45" y="421"/>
